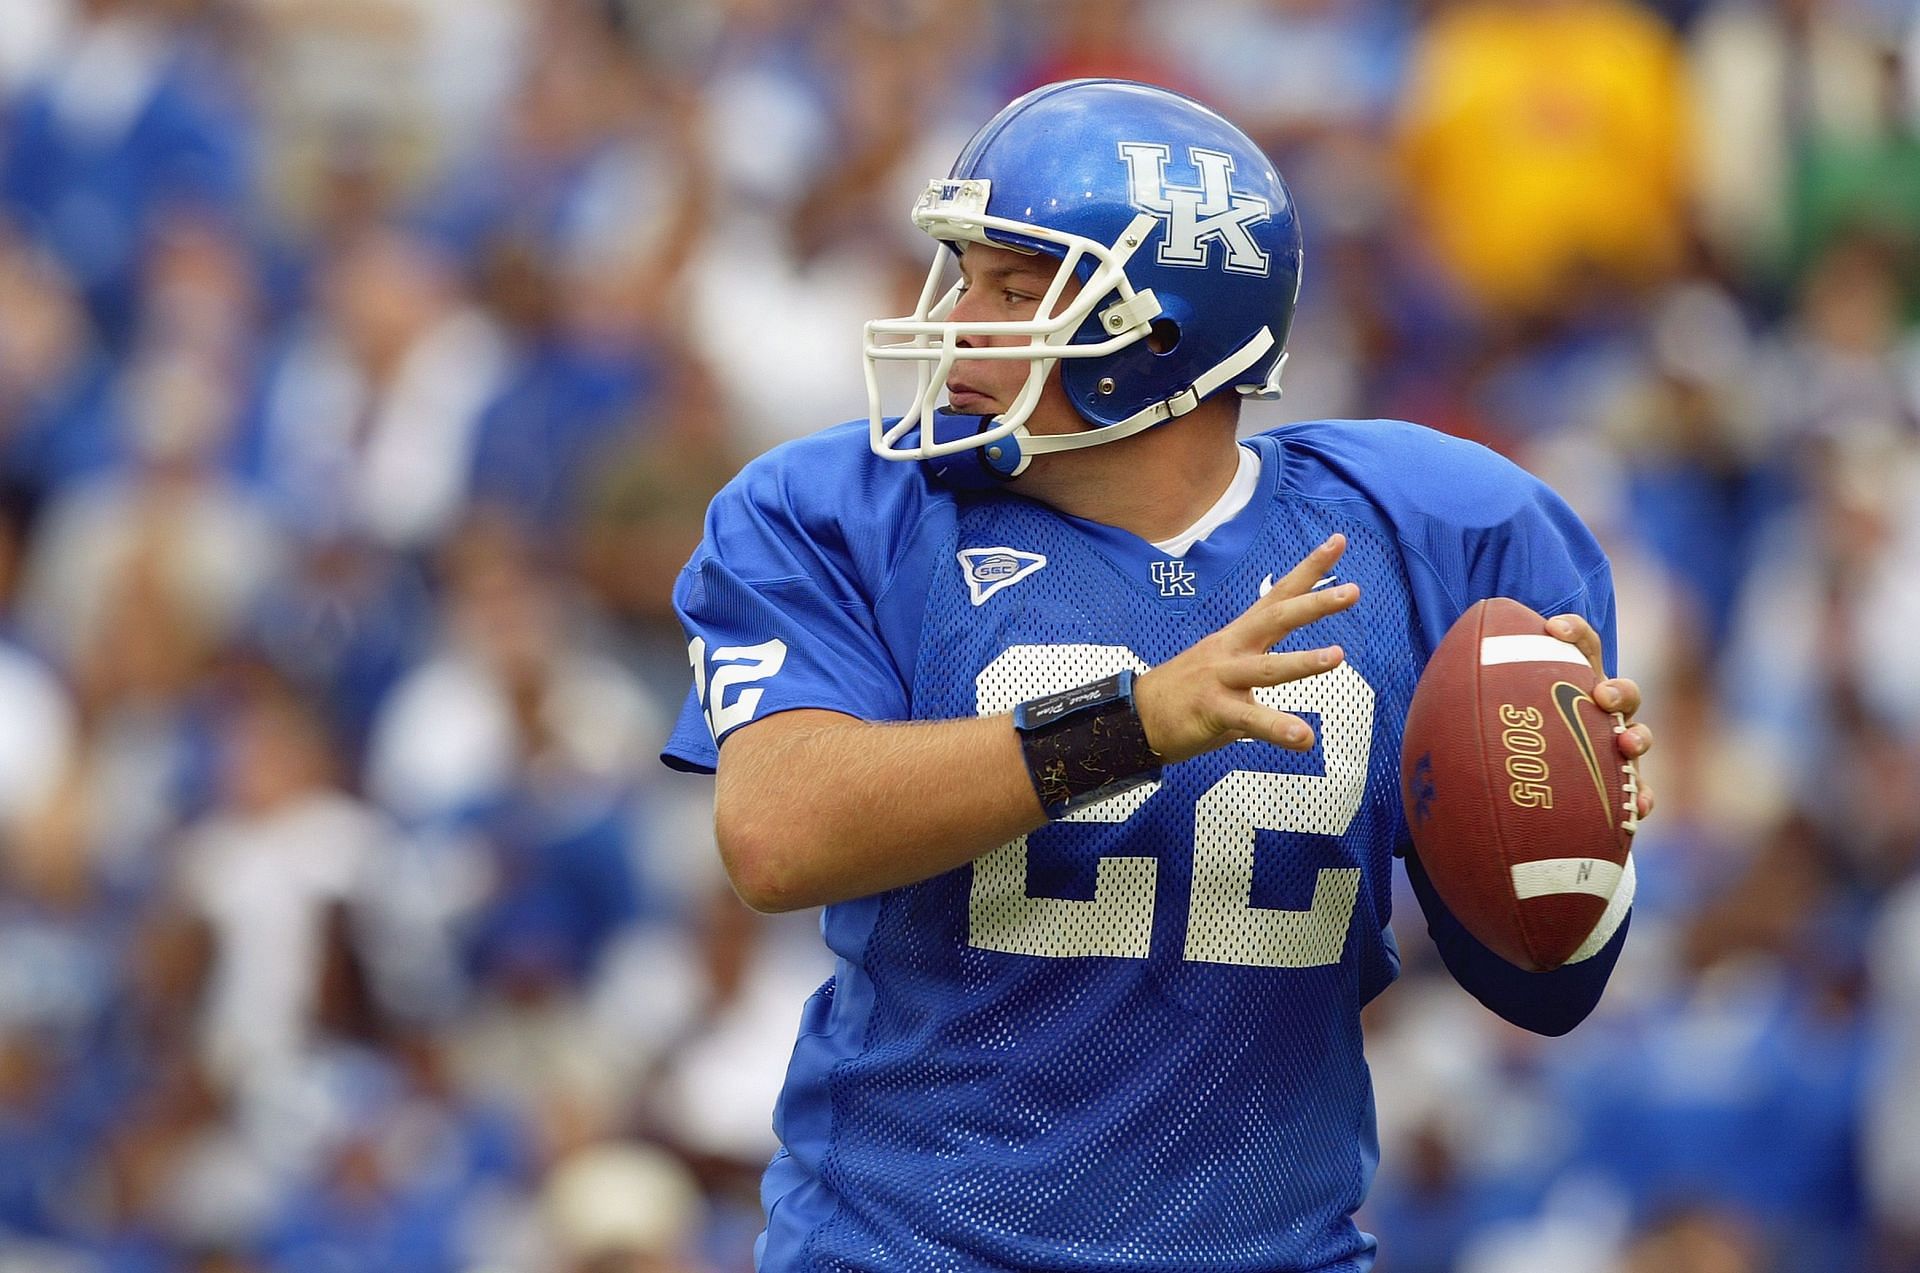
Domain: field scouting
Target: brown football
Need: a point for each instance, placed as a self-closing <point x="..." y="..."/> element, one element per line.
<point x="1521" y="806"/>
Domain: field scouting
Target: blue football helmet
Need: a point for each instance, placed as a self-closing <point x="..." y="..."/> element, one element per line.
<point x="1174" y="222"/>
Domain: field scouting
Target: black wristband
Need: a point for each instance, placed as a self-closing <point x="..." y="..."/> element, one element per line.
<point x="1086" y="744"/>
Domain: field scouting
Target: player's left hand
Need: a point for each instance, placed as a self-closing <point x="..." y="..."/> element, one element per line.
<point x="1613" y="694"/>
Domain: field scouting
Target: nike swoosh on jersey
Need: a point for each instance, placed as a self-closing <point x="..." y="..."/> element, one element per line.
<point x="1266" y="585"/>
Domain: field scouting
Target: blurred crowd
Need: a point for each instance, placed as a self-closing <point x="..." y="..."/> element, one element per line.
<point x="365" y="368"/>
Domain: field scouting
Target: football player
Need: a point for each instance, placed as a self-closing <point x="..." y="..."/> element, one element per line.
<point x="1081" y="717"/>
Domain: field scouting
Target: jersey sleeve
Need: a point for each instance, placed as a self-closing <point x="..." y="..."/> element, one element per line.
<point x="1470" y="523"/>
<point x="780" y="605"/>
<point x="1492" y="529"/>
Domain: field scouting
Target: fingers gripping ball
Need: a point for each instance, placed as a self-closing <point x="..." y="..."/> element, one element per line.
<point x="1522" y="807"/>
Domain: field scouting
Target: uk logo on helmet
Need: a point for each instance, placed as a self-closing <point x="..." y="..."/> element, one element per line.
<point x="1197" y="218"/>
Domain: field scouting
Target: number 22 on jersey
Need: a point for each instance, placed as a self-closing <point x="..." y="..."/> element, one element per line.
<point x="1223" y="925"/>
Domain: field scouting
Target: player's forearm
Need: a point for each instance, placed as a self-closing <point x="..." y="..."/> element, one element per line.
<point x="815" y="807"/>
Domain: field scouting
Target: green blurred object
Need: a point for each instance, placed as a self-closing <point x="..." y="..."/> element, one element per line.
<point x="1860" y="188"/>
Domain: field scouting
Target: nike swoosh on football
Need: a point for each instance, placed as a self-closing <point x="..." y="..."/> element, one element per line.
<point x="1567" y="698"/>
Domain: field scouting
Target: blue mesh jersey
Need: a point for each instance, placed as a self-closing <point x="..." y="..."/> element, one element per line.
<point x="1131" y="1039"/>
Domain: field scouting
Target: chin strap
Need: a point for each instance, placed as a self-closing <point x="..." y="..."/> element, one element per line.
<point x="981" y="468"/>
<point x="1223" y="372"/>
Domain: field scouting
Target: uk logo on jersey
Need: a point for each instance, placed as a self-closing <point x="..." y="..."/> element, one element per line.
<point x="1197" y="218"/>
<point x="1174" y="578"/>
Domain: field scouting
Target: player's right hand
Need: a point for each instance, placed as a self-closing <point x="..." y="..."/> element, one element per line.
<point x="1203" y="698"/>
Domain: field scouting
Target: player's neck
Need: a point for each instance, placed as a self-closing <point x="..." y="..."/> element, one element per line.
<point x="1155" y="484"/>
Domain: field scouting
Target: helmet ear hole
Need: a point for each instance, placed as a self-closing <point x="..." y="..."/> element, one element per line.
<point x="1163" y="336"/>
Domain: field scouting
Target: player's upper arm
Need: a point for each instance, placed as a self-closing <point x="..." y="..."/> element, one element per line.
<point x="782" y="601"/>
<point x="1473" y="525"/>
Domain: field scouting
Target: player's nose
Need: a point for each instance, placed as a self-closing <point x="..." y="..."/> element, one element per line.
<point x="963" y="313"/>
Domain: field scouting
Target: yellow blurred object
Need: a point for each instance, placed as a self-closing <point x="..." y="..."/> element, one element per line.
<point x="1541" y="140"/>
